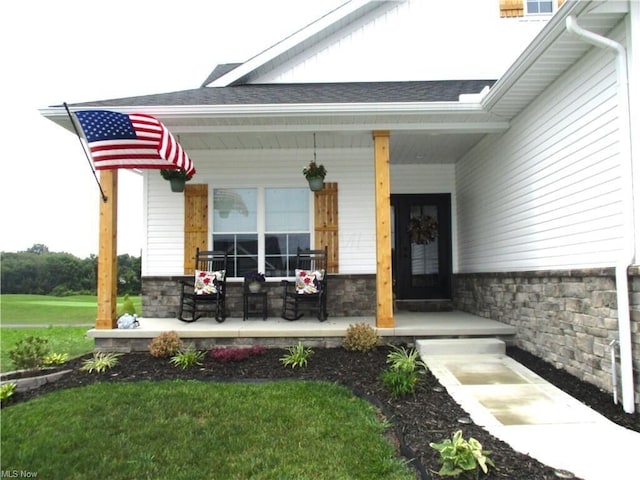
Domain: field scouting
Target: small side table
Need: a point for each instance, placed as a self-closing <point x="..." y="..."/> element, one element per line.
<point x="254" y="304"/>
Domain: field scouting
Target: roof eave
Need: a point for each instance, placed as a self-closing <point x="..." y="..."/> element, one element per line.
<point x="388" y="114"/>
<point x="536" y="49"/>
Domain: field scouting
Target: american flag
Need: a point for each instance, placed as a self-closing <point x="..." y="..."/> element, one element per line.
<point x="118" y="140"/>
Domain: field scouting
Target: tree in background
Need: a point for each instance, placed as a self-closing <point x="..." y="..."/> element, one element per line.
<point x="38" y="271"/>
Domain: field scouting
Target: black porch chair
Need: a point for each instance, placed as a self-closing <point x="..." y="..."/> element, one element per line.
<point x="206" y="293"/>
<point x="309" y="291"/>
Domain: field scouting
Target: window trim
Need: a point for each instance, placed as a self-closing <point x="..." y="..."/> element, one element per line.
<point x="260" y="222"/>
<point x="526" y="13"/>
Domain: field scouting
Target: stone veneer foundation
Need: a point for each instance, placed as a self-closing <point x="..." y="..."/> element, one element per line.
<point x="565" y="317"/>
<point x="348" y="296"/>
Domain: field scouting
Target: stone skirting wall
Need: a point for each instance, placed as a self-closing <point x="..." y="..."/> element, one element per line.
<point x="348" y="295"/>
<point x="565" y="317"/>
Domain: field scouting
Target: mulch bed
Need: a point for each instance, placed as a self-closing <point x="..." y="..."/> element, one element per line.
<point x="430" y="415"/>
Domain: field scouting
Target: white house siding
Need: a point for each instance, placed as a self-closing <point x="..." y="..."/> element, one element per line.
<point x="439" y="178"/>
<point x="410" y="41"/>
<point x="546" y="194"/>
<point x="352" y="169"/>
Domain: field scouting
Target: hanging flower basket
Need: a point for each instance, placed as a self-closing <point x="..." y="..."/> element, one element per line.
<point x="316" y="184"/>
<point x="315" y="174"/>
<point x="176" y="178"/>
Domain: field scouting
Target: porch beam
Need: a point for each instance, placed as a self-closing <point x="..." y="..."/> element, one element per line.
<point x="384" y="290"/>
<point x="107" y="251"/>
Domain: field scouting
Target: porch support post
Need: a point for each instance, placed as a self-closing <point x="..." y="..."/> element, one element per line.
<point x="107" y="251"/>
<point x="384" y="290"/>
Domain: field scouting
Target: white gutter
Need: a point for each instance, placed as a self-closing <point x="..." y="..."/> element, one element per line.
<point x="627" y="252"/>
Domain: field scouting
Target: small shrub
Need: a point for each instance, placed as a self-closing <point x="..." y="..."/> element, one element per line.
<point x="128" y="306"/>
<point x="100" y="362"/>
<point x="165" y="345"/>
<point x="402" y="359"/>
<point x="29" y="353"/>
<point x="55" y="359"/>
<point x="461" y="457"/>
<point x="7" y="390"/>
<point x="361" y="337"/>
<point x="297" y="356"/>
<point x="187" y="358"/>
<point x="227" y="355"/>
<point x="402" y="375"/>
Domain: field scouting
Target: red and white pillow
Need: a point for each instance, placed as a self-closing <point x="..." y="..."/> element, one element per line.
<point x="208" y="283"/>
<point x="307" y="281"/>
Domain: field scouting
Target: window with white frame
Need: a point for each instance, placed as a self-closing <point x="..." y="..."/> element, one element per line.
<point x="261" y="228"/>
<point x="539" y="6"/>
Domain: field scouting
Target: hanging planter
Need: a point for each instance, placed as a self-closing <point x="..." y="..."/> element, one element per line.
<point x="176" y="178"/>
<point x="316" y="183"/>
<point x="315" y="173"/>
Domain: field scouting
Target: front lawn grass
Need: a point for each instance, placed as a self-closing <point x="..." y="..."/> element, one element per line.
<point x="50" y="310"/>
<point x="70" y="340"/>
<point x="189" y="429"/>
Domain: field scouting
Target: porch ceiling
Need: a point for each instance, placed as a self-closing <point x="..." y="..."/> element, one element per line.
<point x="406" y="147"/>
<point x="421" y="132"/>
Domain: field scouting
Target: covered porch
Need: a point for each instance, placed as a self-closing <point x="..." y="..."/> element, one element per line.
<point x="275" y="332"/>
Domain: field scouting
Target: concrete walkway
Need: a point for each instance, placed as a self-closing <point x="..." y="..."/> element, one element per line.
<point x="533" y="416"/>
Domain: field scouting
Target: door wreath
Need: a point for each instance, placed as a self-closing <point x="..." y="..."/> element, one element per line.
<point x="423" y="229"/>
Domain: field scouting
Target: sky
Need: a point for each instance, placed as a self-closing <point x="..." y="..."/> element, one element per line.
<point x="76" y="51"/>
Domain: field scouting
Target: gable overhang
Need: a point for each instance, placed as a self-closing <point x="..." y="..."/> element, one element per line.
<point x="347" y="13"/>
<point x="552" y="52"/>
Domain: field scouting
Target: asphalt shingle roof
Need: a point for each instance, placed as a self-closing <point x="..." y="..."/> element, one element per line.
<point x="355" y="92"/>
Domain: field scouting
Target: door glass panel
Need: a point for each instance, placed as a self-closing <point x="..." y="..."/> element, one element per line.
<point x="423" y="229"/>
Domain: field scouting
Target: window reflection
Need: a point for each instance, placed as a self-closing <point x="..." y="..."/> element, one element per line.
<point x="284" y="226"/>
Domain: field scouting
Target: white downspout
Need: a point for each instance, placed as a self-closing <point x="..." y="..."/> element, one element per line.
<point x="627" y="252"/>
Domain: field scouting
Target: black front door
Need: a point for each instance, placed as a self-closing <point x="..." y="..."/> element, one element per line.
<point x="422" y="246"/>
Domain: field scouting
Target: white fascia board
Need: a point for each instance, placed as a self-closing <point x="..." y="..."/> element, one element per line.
<point x="278" y="109"/>
<point x="292" y="41"/>
<point x="472" y="116"/>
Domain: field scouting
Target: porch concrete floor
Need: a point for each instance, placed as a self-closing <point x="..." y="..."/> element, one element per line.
<point x="407" y="324"/>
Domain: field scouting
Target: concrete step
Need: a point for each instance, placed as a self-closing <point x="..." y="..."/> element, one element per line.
<point x="461" y="346"/>
<point x="435" y="305"/>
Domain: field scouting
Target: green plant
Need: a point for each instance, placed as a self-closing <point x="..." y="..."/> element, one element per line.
<point x="171" y="173"/>
<point x="29" y="353"/>
<point x="100" y="362"/>
<point x="7" y="390"/>
<point x="402" y="375"/>
<point x="459" y="456"/>
<point x="187" y="358"/>
<point x="165" y="345"/>
<point x="361" y="337"/>
<point x="72" y="340"/>
<point x="313" y="170"/>
<point x="55" y="359"/>
<point x="402" y="359"/>
<point x="297" y="356"/>
<point x="128" y="306"/>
